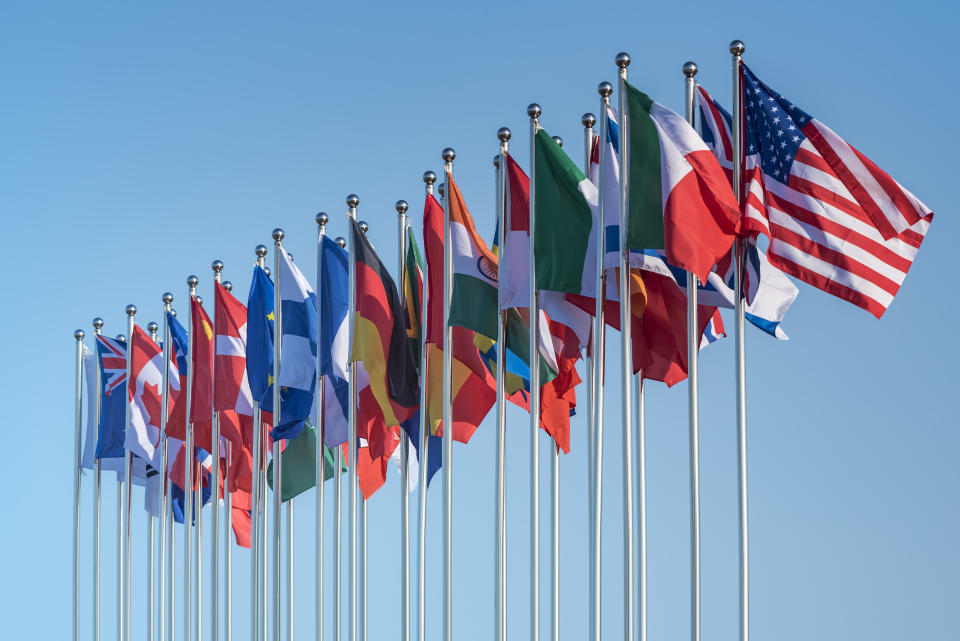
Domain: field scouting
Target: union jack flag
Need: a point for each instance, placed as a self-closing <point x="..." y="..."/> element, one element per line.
<point x="113" y="363"/>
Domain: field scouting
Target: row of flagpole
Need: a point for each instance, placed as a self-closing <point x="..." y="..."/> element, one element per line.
<point x="633" y="463"/>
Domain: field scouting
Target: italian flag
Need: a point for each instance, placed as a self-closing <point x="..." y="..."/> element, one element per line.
<point x="679" y="198"/>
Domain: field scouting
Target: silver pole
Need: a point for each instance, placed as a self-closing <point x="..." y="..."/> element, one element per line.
<point x="121" y="491"/>
<point x="257" y="542"/>
<point x="555" y="527"/>
<point x="164" y="479"/>
<point x="322" y="219"/>
<point x="217" y="267"/>
<point x="227" y="532"/>
<point x="97" y="327"/>
<point x="737" y="48"/>
<point x="533" y="110"/>
<point x="198" y="545"/>
<point x="152" y="327"/>
<point x="290" y="586"/>
<point x="77" y="474"/>
<point x="352" y="202"/>
<point x="131" y="313"/>
<point x="693" y="345"/>
<point x="402" y="207"/>
<point x="641" y="454"/>
<point x="188" y="494"/>
<point x="337" y="526"/>
<point x="605" y="89"/>
<point x="626" y="353"/>
<point x="448" y="155"/>
<point x="277" y="332"/>
<point x="362" y="525"/>
<point x="429" y="178"/>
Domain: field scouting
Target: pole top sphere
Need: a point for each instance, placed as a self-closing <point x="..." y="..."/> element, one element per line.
<point x="429" y="177"/>
<point x="504" y="134"/>
<point x="448" y="154"/>
<point x="737" y="47"/>
<point x="167" y="298"/>
<point x="353" y="200"/>
<point x="558" y="140"/>
<point x="121" y="338"/>
<point x="533" y="110"/>
<point x="173" y="313"/>
<point x="227" y="285"/>
<point x="131" y="310"/>
<point x="192" y="281"/>
<point x="401" y="206"/>
<point x="588" y="120"/>
<point x="98" y="323"/>
<point x="152" y="327"/>
<point x="496" y="161"/>
<point x="622" y="60"/>
<point x="78" y="334"/>
<point x="605" y="89"/>
<point x="441" y="189"/>
<point x="200" y="300"/>
<point x="260" y="250"/>
<point x="278" y="234"/>
<point x="340" y="241"/>
<point x="364" y="227"/>
<point x="322" y="218"/>
<point x="266" y="270"/>
<point x="690" y="69"/>
<point x="217" y="266"/>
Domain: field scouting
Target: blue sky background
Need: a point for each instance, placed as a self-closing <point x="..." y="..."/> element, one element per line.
<point x="140" y="143"/>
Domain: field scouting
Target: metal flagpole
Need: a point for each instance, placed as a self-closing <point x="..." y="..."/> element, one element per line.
<point x="736" y="49"/>
<point x="131" y="313"/>
<point x="78" y="428"/>
<point x="605" y="89"/>
<point x="641" y="456"/>
<point x="97" y="328"/>
<point x="402" y="207"/>
<point x="533" y="110"/>
<point x="626" y="353"/>
<point x="121" y="491"/>
<point x="217" y="267"/>
<point x="188" y="495"/>
<point x="277" y="332"/>
<point x="198" y="540"/>
<point x="165" y="529"/>
<point x="337" y="528"/>
<point x="429" y="178"/>
<point x="352" y="202"/>
<point x="152" y="327"/>
<point x="256" y="540"/>
<point x="322" y="219"/>
<point x="290" y="588"/>
<point x="227" y="549"/>
<point x="503" y="135"/>
<point x="362" y="525"/>
<point x="555" y="527"/>
<point x="448" y="155"/>
<point x="693" y="346"/>
<point x="262" y="482"/>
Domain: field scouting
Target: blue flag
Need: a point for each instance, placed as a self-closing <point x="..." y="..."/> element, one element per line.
<point x="260" y="338"/>
<point x="334" y="336"/>
<point x="179" y="342"/>
<point x="177" y="493"/>
<point x="112" y="356"/>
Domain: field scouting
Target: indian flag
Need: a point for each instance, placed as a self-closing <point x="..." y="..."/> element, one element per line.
<point x="679" y="198"/>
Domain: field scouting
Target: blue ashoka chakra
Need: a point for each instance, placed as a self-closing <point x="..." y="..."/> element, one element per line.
<point x="487" y="268"/>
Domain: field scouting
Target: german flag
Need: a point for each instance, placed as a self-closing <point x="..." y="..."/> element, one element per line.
<point x="380" y="336"/>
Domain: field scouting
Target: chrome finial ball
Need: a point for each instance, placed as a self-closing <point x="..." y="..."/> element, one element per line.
<point x="588" y="120"/>
<point x="605" y="89"/>
<point x="496" y="161"/>
<point x="622" y="60"/>
<point x="131" y="310"/>
<point x="78" y="334"/>
<point x="441" y="189"/>
<point x="429" y="177"/>
<point x="167" y="298"/>
<point x="533" y="110"/>
<point x="401" y="206"/>
<point x="98" y="323"/>
<point x="353" y="200"/>
<point x="192" y="281"/>
<point x="121" y="338"/>
<point x="448" y="154"/>
<point x="217" y="266"/>
<point x="737" y="47"/>
<point x="340" y="241"/>
<point x="227" y="285"/>
<point x="152" y="327"/>
<point x="364" y="227"/>
<point x="260" y="250"/>
<point x="504" y="134"/>
<point x="266" y="270"/>
<point x="278" y="234"/>
<point x="558" y="140"/>
<point x="200" y="300"/>
<point x="322" y="218"/>
<point x="690" y="69"/>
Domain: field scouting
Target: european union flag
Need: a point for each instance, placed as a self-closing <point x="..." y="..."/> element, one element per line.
<point x="260" y="338"/>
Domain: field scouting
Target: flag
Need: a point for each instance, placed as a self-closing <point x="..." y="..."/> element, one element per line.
<point x="232" y="397"/>
<point x="112" y="355"/>
<point x="201" y="353"/>
<point x="834" y="219"/>
<point x="334" y="305"/>
<point x="298" y="353"/>
<point x="87" y="458"/>
<point x="679" y="198"/>
<point x="259" y="362"/>
<point x="298" y="464"/>
<point x="146" y="418"/>
<point x="179" y="352"/>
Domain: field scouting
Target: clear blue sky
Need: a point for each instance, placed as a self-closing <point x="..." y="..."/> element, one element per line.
<point x="140" y="143"/>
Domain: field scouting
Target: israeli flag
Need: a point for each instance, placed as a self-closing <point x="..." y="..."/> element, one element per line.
<point x="298" y="349"/>
<point x="334" y="340"/>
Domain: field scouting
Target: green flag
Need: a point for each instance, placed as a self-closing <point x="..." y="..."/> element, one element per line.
<point x="299" y="469"/>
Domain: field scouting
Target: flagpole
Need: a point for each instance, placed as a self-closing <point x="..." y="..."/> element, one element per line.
<point x="605" y="89"/>
<point x="97" y="328"/>
<point x="533" y="110"/>
<point x="555" y="526"/>
<point x="121" y="491"/>
<point x="165" y="530"/>
<point x="337" y="527"/>
<point x="262" y="482"/>
<point x="131" y="313"/>
<point x="277" y="332"/>
<point x="256" y="540"/>
<point x="352" y="202"/>
<point x="503" y="135"/>
<point x="188" y="494"/>
<point x="217" y="267"/>
<point x="641" y="454"/>
<point x="626" y="353"/>
<point x="227" y="549"/>
<point x="362" y="526"/>
<point x="152" y="328"/>
<point x="736" y="49"/>
<point x="290" y="585"/>
<point x="429" y="178"/>
<point x="448" y="155"/>
<point x="321" y="219"/>
<point x="198" y="540"/>
<point x="78" y="429"/>
<point x="401" y="206"/>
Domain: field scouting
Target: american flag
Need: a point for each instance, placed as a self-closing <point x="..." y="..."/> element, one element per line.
<point x="835" y="220"/>
<point x="113" y="359"/>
